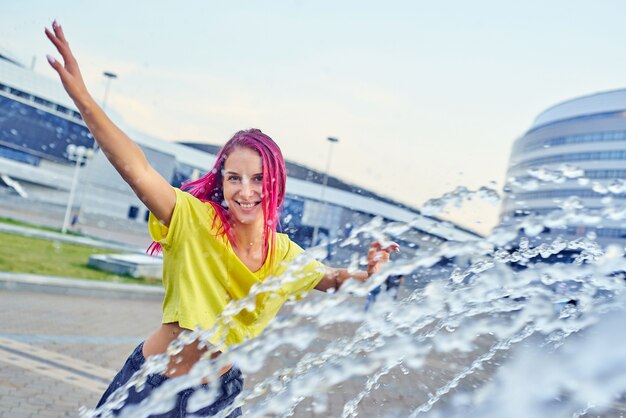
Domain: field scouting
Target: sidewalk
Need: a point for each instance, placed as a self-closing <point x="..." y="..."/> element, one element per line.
<point x="58" y="352"/>
<point x="78" y="287"/>
<point x="59" y="349"/>
<point x="62" y="340"/>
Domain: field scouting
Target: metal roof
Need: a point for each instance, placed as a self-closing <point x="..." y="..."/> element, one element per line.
<point x="302" y="180"/>
<point x="603" y="102"/>
<point x="12" y="74"/>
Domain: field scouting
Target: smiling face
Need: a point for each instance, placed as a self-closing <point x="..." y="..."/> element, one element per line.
<point x="243" y="186"/>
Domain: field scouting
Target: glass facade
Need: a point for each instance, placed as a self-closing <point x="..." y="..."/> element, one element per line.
<point x="32" y="131"/>
<point x="607" y="136"/>
<point x="291" y="221"/>
<point x="182" y="173"/>
<point x="581" y="133"/>
<point x="40" y="101"/>
<point x="565" y="193"/>
<point x="20" y="156"/>
<point x="605" y="174"/>
<point x="574" y="157"/>
<point x="573" y="230"/>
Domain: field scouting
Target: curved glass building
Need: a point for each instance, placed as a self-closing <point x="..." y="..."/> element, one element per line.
<point x="571" y="164"/>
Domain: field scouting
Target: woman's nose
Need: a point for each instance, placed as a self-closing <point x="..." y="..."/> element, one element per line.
<point x="246" y="188"/>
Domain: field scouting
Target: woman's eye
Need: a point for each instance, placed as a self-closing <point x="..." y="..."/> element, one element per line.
<point x="258" y="179"/>
<point x="233" y="178"/>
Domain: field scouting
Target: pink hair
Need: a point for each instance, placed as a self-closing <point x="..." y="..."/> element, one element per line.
<point x="209" y="188"/>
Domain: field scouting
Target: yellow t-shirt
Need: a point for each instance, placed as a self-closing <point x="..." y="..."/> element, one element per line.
<point x="202" y="275"/>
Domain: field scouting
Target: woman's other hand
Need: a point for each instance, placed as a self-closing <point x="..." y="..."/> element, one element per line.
<point x="376" y="257"/>
<point x="68" y="71"/>
<point x="379" y="255"/>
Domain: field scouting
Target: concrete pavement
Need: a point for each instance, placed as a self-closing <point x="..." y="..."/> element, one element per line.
<point x="78" y="287"/>
<point x="62" y="339"/>
<point x="58" y="351"/>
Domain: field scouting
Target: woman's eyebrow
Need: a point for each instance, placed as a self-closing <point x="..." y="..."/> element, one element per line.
<point x="234" y="172"/>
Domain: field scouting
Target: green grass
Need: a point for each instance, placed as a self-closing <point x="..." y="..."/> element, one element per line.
<point x="21" y="254"/>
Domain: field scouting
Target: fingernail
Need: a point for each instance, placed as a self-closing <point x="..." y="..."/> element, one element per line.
<point x="55" y="24"/>
<point x="51" y="59"/>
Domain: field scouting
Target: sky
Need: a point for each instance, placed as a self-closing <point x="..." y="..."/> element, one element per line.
<point x="423" y="96"/>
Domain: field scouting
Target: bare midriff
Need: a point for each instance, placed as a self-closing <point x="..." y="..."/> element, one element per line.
<point x="181" y="363"/>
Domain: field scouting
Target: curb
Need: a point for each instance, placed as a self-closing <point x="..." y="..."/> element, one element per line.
<point x="78" y="287"/>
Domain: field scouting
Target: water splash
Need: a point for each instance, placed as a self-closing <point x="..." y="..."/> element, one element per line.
<point x="450" y="346"/>
<point x="457" y="197"/>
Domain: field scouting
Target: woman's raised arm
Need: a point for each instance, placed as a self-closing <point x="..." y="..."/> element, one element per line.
<point x="127" y="158"/>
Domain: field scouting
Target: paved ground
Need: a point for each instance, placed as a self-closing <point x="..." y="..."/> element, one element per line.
<point x="60" y="344"/>
<point x="57" y="353"/>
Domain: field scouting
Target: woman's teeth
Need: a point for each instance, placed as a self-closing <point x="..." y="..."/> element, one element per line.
<point x="247" y="205"/>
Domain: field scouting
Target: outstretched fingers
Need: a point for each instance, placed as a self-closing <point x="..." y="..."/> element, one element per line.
<point x="57" y="37"/>
<point x="379" y="254"/>
<point x="67" y="68"/>
<point x="58" y="31"/>
<point x="55" y="40"/>
<point x="388" y="248"/>
<point x="392" y="247"/>
<point x="57" y="66"/>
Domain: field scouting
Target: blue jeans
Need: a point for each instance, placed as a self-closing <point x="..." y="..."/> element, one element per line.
<point x="231" y="384"/>
<point x="371" y="297"/>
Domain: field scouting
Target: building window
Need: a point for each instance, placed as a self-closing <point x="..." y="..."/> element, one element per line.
<point x="133" y="211"/>
<point x="43" y="102"/>
<point x="606" y="136"/>
<point x="573" y="157"/>
<point x="20" y="156"/>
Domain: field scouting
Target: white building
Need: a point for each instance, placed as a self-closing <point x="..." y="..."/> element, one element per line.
<point x="38" y="121"/>
<point x="588" y="133"/>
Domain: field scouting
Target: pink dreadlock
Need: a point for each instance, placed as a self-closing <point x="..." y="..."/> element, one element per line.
<point x="209" y="188"/>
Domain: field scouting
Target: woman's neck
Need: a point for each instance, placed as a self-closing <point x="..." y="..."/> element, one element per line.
<point x="249" y="237"/>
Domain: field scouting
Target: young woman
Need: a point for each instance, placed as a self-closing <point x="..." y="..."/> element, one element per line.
<point x="218" y="240"/>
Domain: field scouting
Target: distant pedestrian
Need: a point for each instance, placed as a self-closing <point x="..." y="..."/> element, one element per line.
<point x="392" y="285"/>
<point x="74" y="219"/>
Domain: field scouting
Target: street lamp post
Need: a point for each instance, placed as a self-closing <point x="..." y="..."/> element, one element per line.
<point x="109" y="76"/>
<point x="79" y="154"/>
<point x="331" y="141"/>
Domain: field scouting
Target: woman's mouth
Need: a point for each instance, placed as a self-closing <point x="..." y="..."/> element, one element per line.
<point x="248" y="205"/>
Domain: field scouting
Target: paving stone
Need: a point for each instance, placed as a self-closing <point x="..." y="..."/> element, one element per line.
<point x="103" y="331"/>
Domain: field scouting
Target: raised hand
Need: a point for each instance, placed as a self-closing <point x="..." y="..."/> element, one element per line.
<point x="379" y="255"/>
<point x="68" y="71"/>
